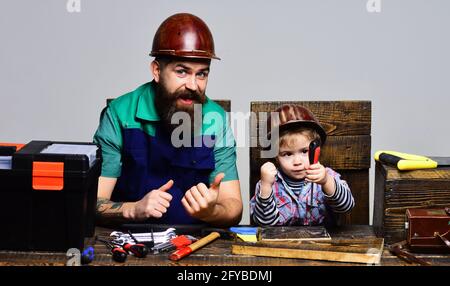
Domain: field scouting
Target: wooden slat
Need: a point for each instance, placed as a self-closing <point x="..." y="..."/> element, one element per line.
<point x="337" y="117"/>
<point x="226" y="104"/>
<point x="358" y="180"/>
<point x="340" y="152"/>
<point x="363" y="252"/>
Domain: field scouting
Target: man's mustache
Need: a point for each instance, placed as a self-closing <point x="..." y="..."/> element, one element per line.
<point x="192" y="95"/>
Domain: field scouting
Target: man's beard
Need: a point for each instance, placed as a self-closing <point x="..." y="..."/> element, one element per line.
<point x="166" y="106"/>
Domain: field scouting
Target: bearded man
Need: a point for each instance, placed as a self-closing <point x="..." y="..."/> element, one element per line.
<point x="146" y="175"/>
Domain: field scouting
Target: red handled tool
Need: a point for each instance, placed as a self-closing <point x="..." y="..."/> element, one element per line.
<point x="185" y="251"/>
<point x="177" y="242"/>
<point x="118" y="254"/>
<point x="139" y="250"/>
<point x="314" y="152"/>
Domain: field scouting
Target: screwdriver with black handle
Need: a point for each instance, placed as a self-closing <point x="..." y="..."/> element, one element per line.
<point x="118" y="254"/>
<point x="138" y="249"/>
<point x="313" y="155"/>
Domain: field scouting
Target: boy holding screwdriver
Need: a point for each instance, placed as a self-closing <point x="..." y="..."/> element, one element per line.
<point x="298" y="192"/>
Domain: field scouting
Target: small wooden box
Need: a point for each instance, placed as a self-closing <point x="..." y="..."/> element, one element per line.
<point x="428" y="230"/>
<point x="396" y="191"/>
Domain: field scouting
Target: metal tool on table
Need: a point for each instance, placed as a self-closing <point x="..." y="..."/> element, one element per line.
<point x="185" y="251"/>
<point x="405" y="161"/>
<point x="87" y="256"/>
<point x="175" y="243"/>
<point x="398" y="249"/>
<point x="144" y="237"/>
<point x="118" y="253"/>
<point x="138" y="249"/>
<point x="313" y="154"/>
<point x="151" y="243"/>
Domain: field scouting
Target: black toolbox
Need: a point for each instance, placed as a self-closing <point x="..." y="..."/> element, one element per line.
<point x="49" y="197"/>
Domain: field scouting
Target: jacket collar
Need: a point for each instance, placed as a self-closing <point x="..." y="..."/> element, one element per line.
<point x="146" y="108"/>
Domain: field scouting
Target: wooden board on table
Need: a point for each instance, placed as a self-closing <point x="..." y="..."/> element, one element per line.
<point x="366" y="251"/>
<point x="287" y="233"/>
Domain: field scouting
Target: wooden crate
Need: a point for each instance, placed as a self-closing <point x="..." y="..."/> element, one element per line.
<point x="347" y="149"/>
<point x="396" y="191"/>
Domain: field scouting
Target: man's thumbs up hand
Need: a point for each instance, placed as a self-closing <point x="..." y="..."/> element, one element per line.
<point x="154" y="204"/>
<point x="199" y="201"/>
<point x="166" y="186"/>
<point x="215" y="185"/>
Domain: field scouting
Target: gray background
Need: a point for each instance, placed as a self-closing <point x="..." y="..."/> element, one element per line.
<point x="57" y="68"/>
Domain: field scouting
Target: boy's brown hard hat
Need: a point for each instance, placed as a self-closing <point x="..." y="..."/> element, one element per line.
<point x="292" y="116"/>
<point x="184" y="35"/>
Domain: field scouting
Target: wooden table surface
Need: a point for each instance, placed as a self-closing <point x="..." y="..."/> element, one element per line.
<point x="218" y="253"/>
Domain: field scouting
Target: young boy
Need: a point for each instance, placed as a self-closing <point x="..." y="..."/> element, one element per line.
<point x="298" y="193"/>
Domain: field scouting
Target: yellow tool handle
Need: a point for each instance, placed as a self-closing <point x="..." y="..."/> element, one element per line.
<point x="414" y="165"/>
<point x="405" y="156"/>
<point x="405" y="161"/>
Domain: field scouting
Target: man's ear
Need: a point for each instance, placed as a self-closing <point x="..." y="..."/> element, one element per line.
<point x="155" y="68"/>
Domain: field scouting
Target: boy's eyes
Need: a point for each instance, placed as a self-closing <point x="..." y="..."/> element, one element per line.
<point x="286" y="154"/>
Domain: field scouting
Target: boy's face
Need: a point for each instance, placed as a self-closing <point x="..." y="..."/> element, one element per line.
<point x="293" y="156"/>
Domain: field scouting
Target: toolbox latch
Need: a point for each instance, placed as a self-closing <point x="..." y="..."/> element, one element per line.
<point x="48" y="176"/>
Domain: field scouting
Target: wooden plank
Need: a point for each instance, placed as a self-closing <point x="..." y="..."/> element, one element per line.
<point x="358" y="181"/>
<point x="364" y="253"/>
<point x="226" y="104"/>
<point x="438" y="174"/>
<point x="378" y="208"/>
<point x="340" y="152"/>
<point x="341" y="118"/>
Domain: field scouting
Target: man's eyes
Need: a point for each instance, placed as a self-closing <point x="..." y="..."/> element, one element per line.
<point x="181" y="72"/>
<point x="202" y="74"/>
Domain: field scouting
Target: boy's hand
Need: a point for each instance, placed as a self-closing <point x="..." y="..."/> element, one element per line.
<point x="268" y="173"/>
<point x="317" y="174"/>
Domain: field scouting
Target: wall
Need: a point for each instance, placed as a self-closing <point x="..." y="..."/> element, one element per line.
<point x="57" y="68"/>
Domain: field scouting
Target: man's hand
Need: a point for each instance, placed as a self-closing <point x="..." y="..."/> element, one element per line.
<point x="199" y="201"/>
<point x="154" y="204"/>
